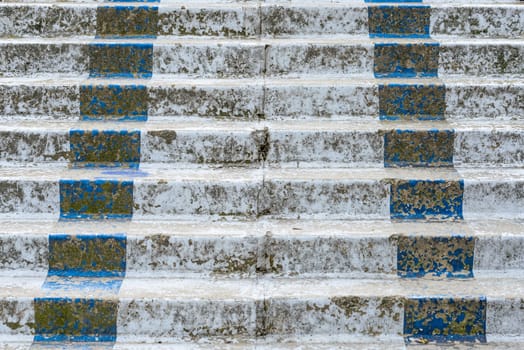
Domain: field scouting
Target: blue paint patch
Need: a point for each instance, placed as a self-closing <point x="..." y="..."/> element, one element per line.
<point x="126" y="172"/>
<point x="412" y="101"/>
<point x="398" y="21"/>
<point x="451" y="257"/>
<point x="441" y="320"/>
<point x="75" y="320"/>
<point x="105" y="148"/>
<point x="390" y="1"/>
<point x="395" y="60"/>
<point x="419" y="148"/>
<point x="115" y="102"/>
<point x="130" y="22"/>
<point x="135" y="0"/>
<point x="109" y="285"/>
<point x="121" y="60"/>
<point x="100" y="255"/>
<point x="426" y="199"/>
<point x="96" y="199"/>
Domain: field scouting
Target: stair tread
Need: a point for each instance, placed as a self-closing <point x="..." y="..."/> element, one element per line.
<point x="491" y="285"/>
<point x="260" y="227"/>
<point x="299" y="80"/>
<point x="192" y="125"/>
<point x="156" y="172"/>
<point x="332" y="39"/>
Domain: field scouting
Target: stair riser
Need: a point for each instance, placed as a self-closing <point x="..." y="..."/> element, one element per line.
<point x="279" y="198"/>
<point x="249" y="60"/>
<point x="490" y="20"/>
<point x="463" y="102"/>
<point x="256" y="255"/>
<point x="341" y="314"/>
<point x="249" y="147"/>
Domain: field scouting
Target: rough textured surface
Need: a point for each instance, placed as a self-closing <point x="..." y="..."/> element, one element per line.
<point x="486" y="101"/>
<point x="489" y="20"/>
<point x="296" y="19"/>
<point x="236" y="21"/>
<point x="98" y="199"/>
<point x="318" y="58"/>
<point x="406" y="60"/>
<point x="26" y="59"/>
<point x="224" y="102"/>
<point x="33" y="147"/>
<point x="124" y="60"/>
<point x="411" y="101"/>
<point x="399" y="21"/>
<point x="481" y="59"/>
<point x="115" y="101"/>
<point x="34" y="197"/>
<point x="105" y="148"/>
<point x="344" y="147"/>
<point x="26" y="100"/>
<point x="128" y="21"/>
<point x="87" y="255"/>
<point x="21" y="20"/>
<point x="429" y="148"/>
<point x="210" y="59"/>
<point x="420" y="256"/>
<point x="353" y="199"/>
<point x="235" y="147"/>
<point x="423" y="199"/>
<point x="445" y="319"/>
<point x="64" y="319"/>
<point x="339" y="314"/>
<point x="308" y="100"/>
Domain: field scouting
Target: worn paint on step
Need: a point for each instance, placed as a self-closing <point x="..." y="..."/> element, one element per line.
<point x="399" y="21"/>
<point x="97" y="199"/>
<point x="411" y="101"/>
<point x="420" y="256"/>
<point x="114" y="102"/>
<point x="75" y="320"/>
<point x="105" y="148"/>
<point x="426" y="199"/>
<point x="419" y="148"/>
<point x="121" y="60"/>
<point x="87" y="255"/>
<point x="396" y="60"/>
<point x="445" y="319"/>
<point x="127" y="21"/>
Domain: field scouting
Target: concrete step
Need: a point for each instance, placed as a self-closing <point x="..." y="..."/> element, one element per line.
<point x="208" y="57"/>
<point x="308" y="248"/>
<point x="171" y="309"/>
<point x="152" y="191"/>
<point x="290" y="343"/>
<point x="253" y="18"/>
<point x="285" y="143"/>
<point x="59" y="97"/>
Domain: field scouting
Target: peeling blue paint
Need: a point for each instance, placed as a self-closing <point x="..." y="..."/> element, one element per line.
<point x="419" y="148"/>
<point x="87" y="255"/>
<point x="75" y="320"/>
<point x="96" y="199"/>
<point x="398" y="21"/>
<point x="451" y="257"/>
<point x="444" y="319"/>
<point x="105" y="148"/>
<point x="396" y="60"/>
<point x="412" y="101"/>
<point x="122" y="60"/>
<point x="426" y="199"/>
<point x="131" y="22"/>
<point x="115" y="102"/>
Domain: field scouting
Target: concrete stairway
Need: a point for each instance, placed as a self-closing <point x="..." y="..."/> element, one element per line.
<point x="262" y="175"/>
